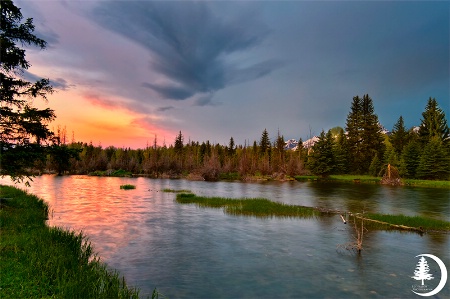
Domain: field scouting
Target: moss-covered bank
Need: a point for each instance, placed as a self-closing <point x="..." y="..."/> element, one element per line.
<point x="38" y="261"/>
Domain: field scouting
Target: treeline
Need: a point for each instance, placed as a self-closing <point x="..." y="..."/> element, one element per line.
<point x="206" y="160"/>
<point x="421" y="153"/>
<point x="361" y="149"/>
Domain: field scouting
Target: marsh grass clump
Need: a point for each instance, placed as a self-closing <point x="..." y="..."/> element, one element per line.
<point x="127" y="187"/>
<point x="168" y="190"/>
<point x="405" y="222"/>
<point x="48" y="262"/>
<point x="258" y="207"/>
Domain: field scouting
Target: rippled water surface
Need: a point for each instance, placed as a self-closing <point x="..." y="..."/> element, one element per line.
<point x="190" y="252"/>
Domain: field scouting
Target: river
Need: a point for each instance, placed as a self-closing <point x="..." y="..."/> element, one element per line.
<point x="189" y="252"/>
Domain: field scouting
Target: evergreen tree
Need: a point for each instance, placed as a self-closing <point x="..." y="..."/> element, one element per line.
<point x="264" y="143"/>
<point x="434" y="123"/>
<point x="375" y="166"/>
<point x="321" y="160"/>
<point x="340" y="153"/>
<point x="399" y="136"/>
<point x="255" y="147"/>
<point x="178" y="146"/>
<point x="354" y="133"/>
<point x="365" y="139"/>
<point x="434" y="161"/>
<point x="373" y="139"/>
<point x="279" y="143"/>
<point x="279" y="159"/>
<point x="409" y="160"/>
<point x="231" y="147"/>
<point x="23" y="128"/>
<point x="390" y="156"/>
<point x="302" y="152"/>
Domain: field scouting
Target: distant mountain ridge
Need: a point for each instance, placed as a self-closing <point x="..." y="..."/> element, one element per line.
<point x="292" y="144"/>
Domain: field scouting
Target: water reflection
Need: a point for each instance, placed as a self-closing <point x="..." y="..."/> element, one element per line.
<point x="191" y="252"/>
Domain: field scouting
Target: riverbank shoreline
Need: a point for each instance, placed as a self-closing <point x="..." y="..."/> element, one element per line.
<point x="277" y="177"/>
<point x="366" y="179"/>
<point x="38" y="261"/>
<point x="344" y="178"/>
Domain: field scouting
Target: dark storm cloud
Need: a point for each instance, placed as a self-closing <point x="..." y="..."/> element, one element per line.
<point x="171" y="92"/>
<point x="191" y="44"/>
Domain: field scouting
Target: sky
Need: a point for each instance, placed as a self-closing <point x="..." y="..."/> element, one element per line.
<point x="127" y="72"/>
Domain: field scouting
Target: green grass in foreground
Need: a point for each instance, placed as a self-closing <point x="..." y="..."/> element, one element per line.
<point x="261" y="207"/>
<point x="127" y="187"/>
<point x="258" y="207"/>
<point x="38" y="261"/>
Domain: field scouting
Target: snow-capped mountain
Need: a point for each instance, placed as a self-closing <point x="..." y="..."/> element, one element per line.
<point x="292" y="144"/>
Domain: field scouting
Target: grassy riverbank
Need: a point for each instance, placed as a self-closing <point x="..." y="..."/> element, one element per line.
<point x="367" y="179"/>
<point x="38" y="261"/>
<point x="260" y="207"/>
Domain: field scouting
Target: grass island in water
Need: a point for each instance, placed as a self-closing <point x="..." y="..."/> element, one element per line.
<point x="127" y="187"/>
<point x="261" y="207"/>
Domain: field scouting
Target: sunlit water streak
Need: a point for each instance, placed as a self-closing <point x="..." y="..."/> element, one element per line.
<point x="190" y="252"/>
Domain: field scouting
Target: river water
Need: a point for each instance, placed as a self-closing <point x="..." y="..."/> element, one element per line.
<point x="189" y="252"/>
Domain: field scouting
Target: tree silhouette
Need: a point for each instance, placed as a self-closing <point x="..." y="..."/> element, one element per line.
<point x="178" y="146"/>
<point x="23" y="128"/>
<point x="422" y="269"/>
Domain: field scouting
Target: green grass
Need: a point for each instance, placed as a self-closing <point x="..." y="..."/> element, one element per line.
<point x="340" y="178"/>
<point x="355" y="178"/>
<point x="127" y="187"/>
<point x="427" y="183"/>
<point x="114" y="173"/>
<point x="418" y="222"/>
<point x="367" y="179"/>
<point x="306" y="177"/>
<point x="176" y="191"/>
<point x="42" y="262"/>
<point x="121" y="173"/>
<point x="259" y="207"/>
